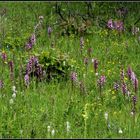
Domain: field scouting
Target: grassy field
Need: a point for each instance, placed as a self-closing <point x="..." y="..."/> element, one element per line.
<point x="94" y="93"/>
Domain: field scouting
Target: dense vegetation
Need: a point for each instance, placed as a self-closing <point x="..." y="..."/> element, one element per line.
<point x="69" y="69"/>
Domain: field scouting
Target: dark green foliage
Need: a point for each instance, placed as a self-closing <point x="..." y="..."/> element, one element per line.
<point x="55" y="65"/>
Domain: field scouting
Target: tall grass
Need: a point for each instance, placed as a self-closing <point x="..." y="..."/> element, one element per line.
<point x="43" y="110"/>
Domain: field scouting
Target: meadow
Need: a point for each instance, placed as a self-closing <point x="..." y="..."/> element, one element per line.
<point x="69" y="70"/>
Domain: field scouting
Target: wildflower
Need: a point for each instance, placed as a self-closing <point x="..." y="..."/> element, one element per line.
<point x="118" y="25"/>
<point x="132" y="113"/>
<point x="31" y="42"/>
<point x="96" y="73"/>
<point x="11" y="101"/>
<point x="122" y="74"/>
<point x="110" y="24"/>
<point x="128" y="93"/>
<point x="53" y="132"/>
<point x="74" y="77"/>
<point x="134" y="99"/>
<point x="136" y="84"/>
<point x="49" y="31"/>
<point x="120" y="131"/>
<point x="101" y="81"/>
<point x="67" y="126"/>
<point x="28" y="45"/>
<point x="124" y="88"/>
<point x="129" y="72"/>
<point x="14" y="95"/>
<point x="39" y="72"/>
<point x="116" y="86"/>
<point x="32" y="63"/>
<point x="133" y="76"/>
<point x="92" y="60"/>
<point x="33" y="39"/>
<point x="11" y="65"/>
<point x="14" y="89"/>
<point x="106" y="116"/>
<point x="135" y="30"/>
<point x="41" y="17"/>
<point x="26" y="79"/>
<point x="95" y="65"/>
<point x="3" y="56"/>
<point x="49" y="128"/>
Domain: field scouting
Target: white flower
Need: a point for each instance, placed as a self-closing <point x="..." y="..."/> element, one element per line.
<point x="106" y="115"/>
<point x="68" y="126"/>
<point x="92" y="60"/>
<point x="49" y="128"/>
<point x="41" y="17"/>
<point x="11" y="101"/>
<point x="53" y="132"/>
<point x="14" y="95"/>
<point x="128" y="93"/>
<point x="64" y="63"/>
<point x="96" y="74"/>
<point x="120" y="131"/>
<point x="14" y="88"/>
<point x="132" y="113"/>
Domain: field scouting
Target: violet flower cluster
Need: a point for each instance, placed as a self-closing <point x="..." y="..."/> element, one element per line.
<point x="116" y="86"/>
<point x="3" y="56"/>
<point x="95" y="64"/>
<point x="132" y="77"/>
<point x="31" y="42"/>
<point x="117" y="25"/>
<point x="101" y="81"/>
<point x="34" y="67"/>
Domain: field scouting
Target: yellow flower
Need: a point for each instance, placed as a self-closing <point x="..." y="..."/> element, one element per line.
<point x="85" y="116"/>
<point x="109" y="71"/>
<point x="115" y="113"/>
<point x="5" y="62"/>
<point x="113" y="92"/>
<point x="125" y="79"/>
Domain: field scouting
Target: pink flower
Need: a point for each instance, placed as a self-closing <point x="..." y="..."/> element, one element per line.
<point x="101" y="81"/>
<point x="3" y="56"/>
<point x="26" y="79"/>
<point x="110" y="24"/>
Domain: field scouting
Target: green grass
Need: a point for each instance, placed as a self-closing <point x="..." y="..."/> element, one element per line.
<point x="52" y="104"/>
